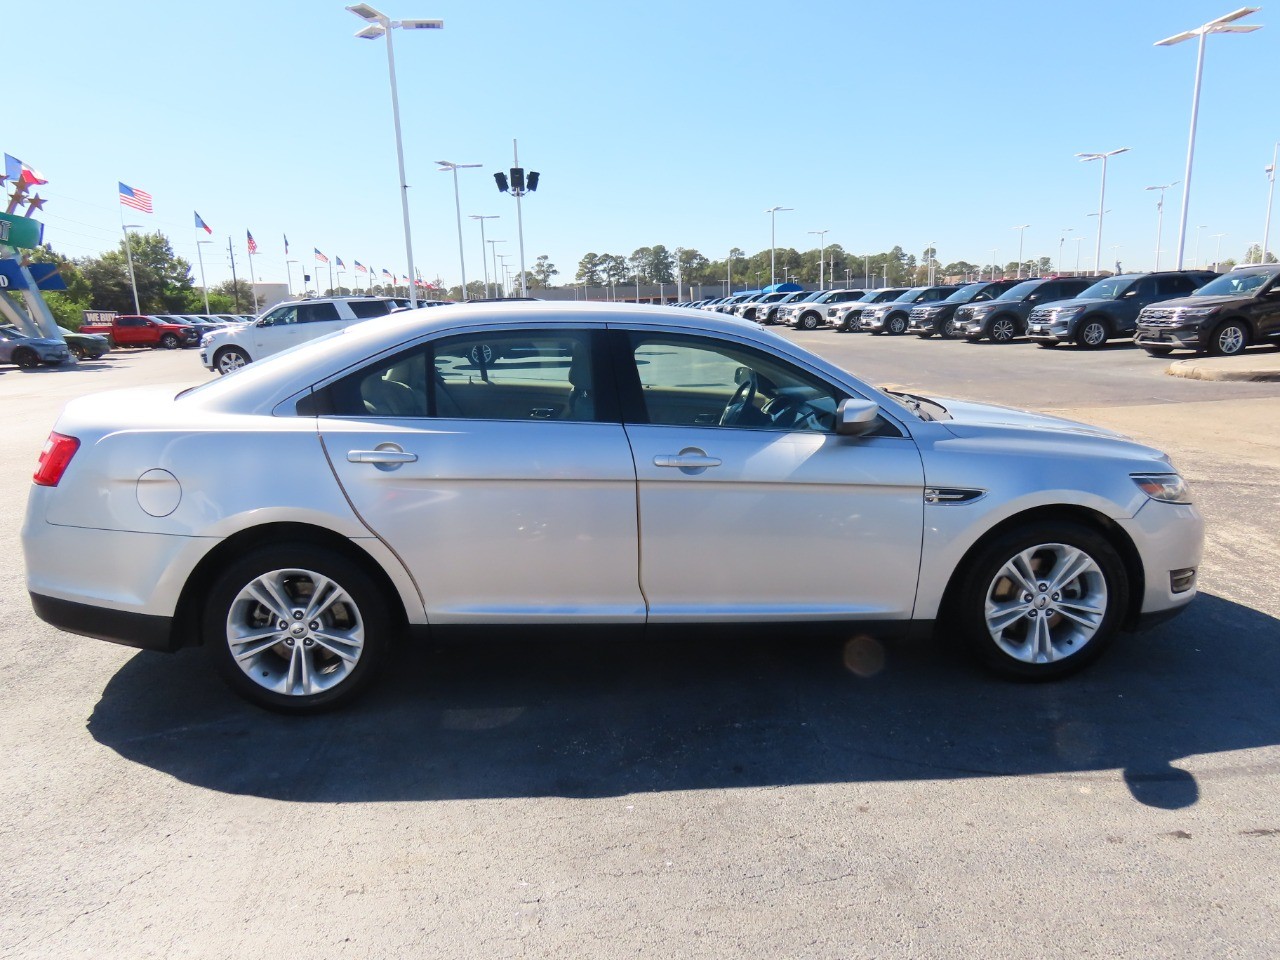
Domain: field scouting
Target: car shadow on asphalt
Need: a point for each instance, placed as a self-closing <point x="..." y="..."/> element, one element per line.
<point x="607" y="717"/>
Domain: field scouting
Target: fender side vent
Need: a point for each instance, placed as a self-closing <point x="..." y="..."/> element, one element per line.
<point x="952" y="495"/>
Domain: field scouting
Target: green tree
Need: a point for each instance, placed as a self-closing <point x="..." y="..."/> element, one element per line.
<point x="163" y="278"/>
<point x="694" y="267"/>
<point x="544" y="270"/>
<point x="227" y="294"/>
<point x="613" y="268"/>
<point x="589" y="270"/>
<point x="66" y="306"/>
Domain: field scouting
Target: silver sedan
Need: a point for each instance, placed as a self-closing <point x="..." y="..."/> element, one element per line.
<point x="550" y="463"/>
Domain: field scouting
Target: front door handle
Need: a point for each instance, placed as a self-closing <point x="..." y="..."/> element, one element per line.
<point x="687" y="460"/>
<point x="382" y="455"/>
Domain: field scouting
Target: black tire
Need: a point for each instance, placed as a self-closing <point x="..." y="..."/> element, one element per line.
<point x="77" y="351"/>
<point x="229" y="360"/>
<point x="1093" y="332"/>
<point x="1159" y="351"/>
<point x="896" y="325"/>
<point x="169" y="341"/>
<point x="808" y="321"/>
<point x="983" y="577"/>
<point x="1229" y="338"/>
<point x="950" y="330"/>
<point x="1003" y="330"/>
<point x="1047" y="344"/>
<point x="924" y="334"/>
<point x="26" y="358"/>
<point x="362" y="612"/>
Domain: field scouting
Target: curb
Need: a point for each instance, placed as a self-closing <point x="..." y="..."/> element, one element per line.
<point x="1225" y="368"/>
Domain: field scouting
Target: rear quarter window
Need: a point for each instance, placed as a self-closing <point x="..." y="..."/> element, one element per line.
<point x="364" y="309"/>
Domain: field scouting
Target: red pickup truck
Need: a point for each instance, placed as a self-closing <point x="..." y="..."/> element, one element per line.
<point x="136" y="331"/>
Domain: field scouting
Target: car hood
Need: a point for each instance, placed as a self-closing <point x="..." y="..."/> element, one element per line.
<point x="1079" y="302"/>
<point x="41" y="342"/>
<point x="1201" y="301"/>
<point x="983" y="420"/>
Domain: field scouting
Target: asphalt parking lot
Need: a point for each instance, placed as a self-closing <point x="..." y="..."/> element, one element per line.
<point x="762" y="796"/>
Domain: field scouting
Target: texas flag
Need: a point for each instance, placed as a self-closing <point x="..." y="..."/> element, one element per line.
<point x="201" y="225"/>
<point x="19" y="172"/>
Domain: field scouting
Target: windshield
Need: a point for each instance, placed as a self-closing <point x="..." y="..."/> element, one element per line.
<point x="1112" y="288"/>
<point x="1020" y="291"/>
<point x="965" y="293"/>
<point x="1234" y="285"/>
<point x="910" y="294"/>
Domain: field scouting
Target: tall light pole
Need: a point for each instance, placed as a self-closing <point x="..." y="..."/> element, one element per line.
<point x="773" y="242"/>
<point x="288" y="272"/>
<point x="1224" y="24"/>
<point x="1160" y="216"/>
<point x="1021" y="228"/>
<point x="929" y="251"/>
<point x="493" y="249"/>
<point x="1271" y="177"/>
<point x="1217" y="251"/>
<point x="1198" y="229"/>
<point x="204" y="287"/>
<point x="504" y="257"/>
<point x="822" y="254"/>
<point x="379" y="24"/>
<point x="128" y="252"/>
<point x="993" y="264"/>
<point x="1102" y="199"/>
<point x="1062" y="240"/>
<point x="445" y="167"/>
<point x="1079" y="242"/>
<point x="484" y="259"/>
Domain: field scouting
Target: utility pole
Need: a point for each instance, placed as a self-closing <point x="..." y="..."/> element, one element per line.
<point x="235" y="284"/>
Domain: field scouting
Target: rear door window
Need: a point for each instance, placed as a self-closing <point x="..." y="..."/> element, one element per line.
<point x="317" y="312"/>
<point x="364" y="309"/>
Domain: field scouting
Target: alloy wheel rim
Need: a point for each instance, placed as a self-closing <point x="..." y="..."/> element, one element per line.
<point x="295" y="632"/>
<point x="1094" y="334"/>
<point x="1046" y="603"/>
<point x="1231" y="340"/>
<point x="231" y="361"/>
<point x="1002" y="330"/>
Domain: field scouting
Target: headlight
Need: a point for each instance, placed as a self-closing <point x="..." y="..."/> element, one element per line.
<point x="1165" y="487"/>
<point x="1066" y="313"/>
<point x="1195" y="312"/>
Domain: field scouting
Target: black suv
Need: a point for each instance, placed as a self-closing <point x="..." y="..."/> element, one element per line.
<point x="931" y="318"/>
<point x="1222" y="317"/>
<point x="1005" y="317"/>
<point x="892" y="317"/>
<point x="1110" y="307"/>
<point x="846" y="316"/>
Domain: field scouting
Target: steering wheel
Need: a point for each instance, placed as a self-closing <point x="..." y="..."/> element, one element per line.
<point x="741" y="400"/>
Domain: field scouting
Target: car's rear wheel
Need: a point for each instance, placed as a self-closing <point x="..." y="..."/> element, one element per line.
<point x="230" y="359"/>
<point x="169" y="341"/>
<point x="1003" y="329"/>
<point x="1043" y="600"/>
<point x="896" y="325"/>
<point x="26" y="358"/>
<point x="1229" y="339"/>
<point x="296" y="628"/>
<point x="1093" y="333"/>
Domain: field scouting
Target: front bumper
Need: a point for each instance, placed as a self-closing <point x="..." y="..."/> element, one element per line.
<point x="1169" y="537"/>
<point x="1186" y="337"/>
<point x="1049" y="332"/>
<point x="875" y="322"/>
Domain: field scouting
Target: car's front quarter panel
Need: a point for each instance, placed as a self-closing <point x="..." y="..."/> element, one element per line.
<point x="1019" y="471"/>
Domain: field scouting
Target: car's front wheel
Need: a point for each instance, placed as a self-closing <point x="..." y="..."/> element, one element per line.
<point x="951" y="330"/>
<point x="296" y="628"/>
<point x="1003" y="330"/>
<point x="230" y="359"/>
<point x="808" y="322"/>
<point x="1093" y="333"/>
<point x="26" y="358"/>
<point x="1043" y="600"/>
<point x="896" y="325"/>
<point x="1229" y="339"/>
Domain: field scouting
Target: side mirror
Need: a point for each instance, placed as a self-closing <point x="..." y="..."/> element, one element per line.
<point x="264" y="322"/>
<point x="856" y="417"/>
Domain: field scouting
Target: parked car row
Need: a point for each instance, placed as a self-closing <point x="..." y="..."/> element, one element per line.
<point x="1163" y="311"/>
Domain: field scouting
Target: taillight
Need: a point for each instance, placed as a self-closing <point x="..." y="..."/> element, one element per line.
<point x="54" y="458"/>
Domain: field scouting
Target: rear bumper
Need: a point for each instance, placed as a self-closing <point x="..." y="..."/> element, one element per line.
<point x="140" y="630"/>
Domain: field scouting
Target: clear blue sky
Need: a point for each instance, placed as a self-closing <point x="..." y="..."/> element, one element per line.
<point x="665" y="122"/>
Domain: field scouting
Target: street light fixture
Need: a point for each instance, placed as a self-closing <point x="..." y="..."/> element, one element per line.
<point x="1217" y="251"/>
<point x="445" y="167"/>
<point x="1021" y="228"/>
<point x="773" y="242"/>
<point x="1062" y="240"/>
<point x="1224" y="24"/>
<point x="484" y="260"/>
<point x="929" y="255"/>
<point x="1202" y="226"/>
<point x="519" y="185"/>
<point x="1102" y="199"/>
<point x="288" y="272"/>
<point x="504" y="257"/>
<point x="1160" y="216"/>
<point x="379" y="25"/>
<point x="822" y="254"/>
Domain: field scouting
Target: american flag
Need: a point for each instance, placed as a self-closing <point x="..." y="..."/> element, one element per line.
<point x="286" y="243"/>
<point x="387" y="273"/>
<point x="253" y="244"/>
<point x="361" y="268"/>
<point x="320" y="256"/>
<point x="338" y="262"/>
<point x="138" y="199"/>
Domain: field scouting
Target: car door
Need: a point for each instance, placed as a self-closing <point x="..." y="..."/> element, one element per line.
<point x="751" y="507"/>
<point x="494" y="464"/>
<point x="276" y="331"/>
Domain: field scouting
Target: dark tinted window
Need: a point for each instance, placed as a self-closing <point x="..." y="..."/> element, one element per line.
<point x="369" y="308"/>
<point x="1174" y="286"/>
<point x="317" y="312"/>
